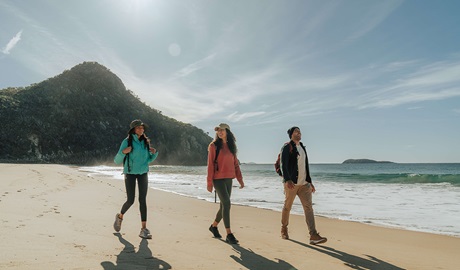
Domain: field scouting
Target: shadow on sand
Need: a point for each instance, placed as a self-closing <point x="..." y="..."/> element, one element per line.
<point x="350" y="260"/>
<point x="254" y="261"/>
<point x="130" y="259"/>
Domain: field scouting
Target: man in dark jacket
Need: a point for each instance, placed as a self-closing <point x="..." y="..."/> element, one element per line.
<point x="297" y="182"/>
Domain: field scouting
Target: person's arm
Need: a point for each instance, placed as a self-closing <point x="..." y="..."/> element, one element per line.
<point x="211" y="157"/>
<point x="285" y="163"/>
<point x="307" y="166"/>
<point x="285" y="155"/>
<point x="239" y="175"/>
<point x="120" y="156"/>
<point x="153" y="155"/>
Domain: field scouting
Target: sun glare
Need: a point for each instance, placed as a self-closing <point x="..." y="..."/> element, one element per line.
<point x="137" y="5"/>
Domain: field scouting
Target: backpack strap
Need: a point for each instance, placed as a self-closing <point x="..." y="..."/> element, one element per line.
<point x="130" y="144"/>
<point x="217" y="154"/>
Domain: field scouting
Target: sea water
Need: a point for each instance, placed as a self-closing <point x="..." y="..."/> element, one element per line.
<point x="419" y="197"/>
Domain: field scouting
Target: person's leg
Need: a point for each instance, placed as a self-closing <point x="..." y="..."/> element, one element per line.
<point x="228" y="205"/>
<point x="304" y="193"/>
<point x="217" y="187"/>
<point x="289" y="196"/>
<point x="130" y="184"/>
<point x="143" y="186"/>
<point x="223" y="189"/>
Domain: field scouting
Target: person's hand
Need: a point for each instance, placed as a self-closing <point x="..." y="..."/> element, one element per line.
<point x="289" y="184"/>
<point x="313" y="189"/>
<point x="241" y="184"/>
<point x="153" y="150"/>
<point x="127" y="150"/>
<point x="210" y="188"/>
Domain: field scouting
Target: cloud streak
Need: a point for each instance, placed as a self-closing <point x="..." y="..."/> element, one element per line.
<point x="435" y="81"/>
<point x="186" y="71"/>
<point x="12" y="43"/>
<point x="236" y="117"/>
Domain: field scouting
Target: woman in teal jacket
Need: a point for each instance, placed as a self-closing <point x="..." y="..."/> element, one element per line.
<point x="135" y="153"/>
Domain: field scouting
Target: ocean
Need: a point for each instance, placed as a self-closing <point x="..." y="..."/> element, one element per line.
<point x="417" y="197"/>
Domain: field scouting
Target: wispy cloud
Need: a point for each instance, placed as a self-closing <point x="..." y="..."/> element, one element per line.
<point x="374" y="17"/>
<point x="400" y="65"/>
<point x="12" y="43"/>
<point x="438" y="73"/>
<point x="194" y="67"/>
<point x="412" y="97"/>
<point x="430" y="82"/>
<point x="236" y="117"/>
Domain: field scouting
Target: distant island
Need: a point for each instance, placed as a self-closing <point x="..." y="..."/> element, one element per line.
<point x="363" y="160"/>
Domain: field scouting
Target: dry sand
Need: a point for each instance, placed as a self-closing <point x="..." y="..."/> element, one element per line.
<point x="56" y="217"/>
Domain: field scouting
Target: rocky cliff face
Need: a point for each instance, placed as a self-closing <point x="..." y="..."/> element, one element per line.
<point x="81" y="117"/>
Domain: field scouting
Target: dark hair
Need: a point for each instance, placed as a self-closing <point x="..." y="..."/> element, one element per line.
<point x="143" y="137"/>
<point x="231" y="142"/>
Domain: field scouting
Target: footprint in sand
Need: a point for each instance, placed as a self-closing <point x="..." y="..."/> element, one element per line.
<point x="81" y="247"/>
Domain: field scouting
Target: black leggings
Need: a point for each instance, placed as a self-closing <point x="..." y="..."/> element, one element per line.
<point x="223" y="189"/>
<point x="143" y="185"/>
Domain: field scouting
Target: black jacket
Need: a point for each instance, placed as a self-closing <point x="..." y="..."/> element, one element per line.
<point x="289" y="162"/>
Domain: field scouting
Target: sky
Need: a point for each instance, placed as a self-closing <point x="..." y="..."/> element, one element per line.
<point x="360" y="78"/>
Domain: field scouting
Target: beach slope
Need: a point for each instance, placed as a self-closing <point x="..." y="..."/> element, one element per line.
<point x="56" y="217"/>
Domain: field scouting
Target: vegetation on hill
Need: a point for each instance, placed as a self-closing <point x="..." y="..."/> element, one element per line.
<point x="81" y="116"/>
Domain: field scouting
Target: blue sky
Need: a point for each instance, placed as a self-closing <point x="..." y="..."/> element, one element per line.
<point x="362" y="79"/>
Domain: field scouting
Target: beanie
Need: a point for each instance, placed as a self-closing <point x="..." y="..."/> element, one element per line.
<point x="291" y="130"/>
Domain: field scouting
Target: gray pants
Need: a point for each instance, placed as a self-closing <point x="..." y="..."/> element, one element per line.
<point x="304" y="193"/>
<point x="223" y="189"/>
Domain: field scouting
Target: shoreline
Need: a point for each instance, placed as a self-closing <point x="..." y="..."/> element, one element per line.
<point x="57" y="217"/>
<point x="384" y="219"/>
<point x="316" y="215"/>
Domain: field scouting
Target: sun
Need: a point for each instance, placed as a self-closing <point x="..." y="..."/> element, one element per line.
<point x="137" y="5"/>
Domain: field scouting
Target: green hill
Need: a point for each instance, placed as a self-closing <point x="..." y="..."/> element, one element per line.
<point x="81" y="117"/>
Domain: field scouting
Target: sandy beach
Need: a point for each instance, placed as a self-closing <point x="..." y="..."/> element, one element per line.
<point x="56" y="217"/>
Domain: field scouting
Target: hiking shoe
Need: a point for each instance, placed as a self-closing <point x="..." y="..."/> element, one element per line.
<point x="117" y="223"/>
<point x="145" y="233"/>
<point x="317" y="239"/>
<point x="284" y="233"/>
<point x="215" y="232"/>
<point x="231" y="239"/>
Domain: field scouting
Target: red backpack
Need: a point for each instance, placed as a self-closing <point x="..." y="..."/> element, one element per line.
<point x="278" y="161"/>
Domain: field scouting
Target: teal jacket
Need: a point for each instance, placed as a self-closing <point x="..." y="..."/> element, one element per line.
<point x="139" y="157"/>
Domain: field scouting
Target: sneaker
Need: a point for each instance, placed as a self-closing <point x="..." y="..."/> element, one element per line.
<point x="317" y="239"/>
<point x="215" y="232"/>
<point x="117" y="223"/>
<point x="145" y="233"/>
<point x="284" y="233"/>
<point x="231" y="239"/>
